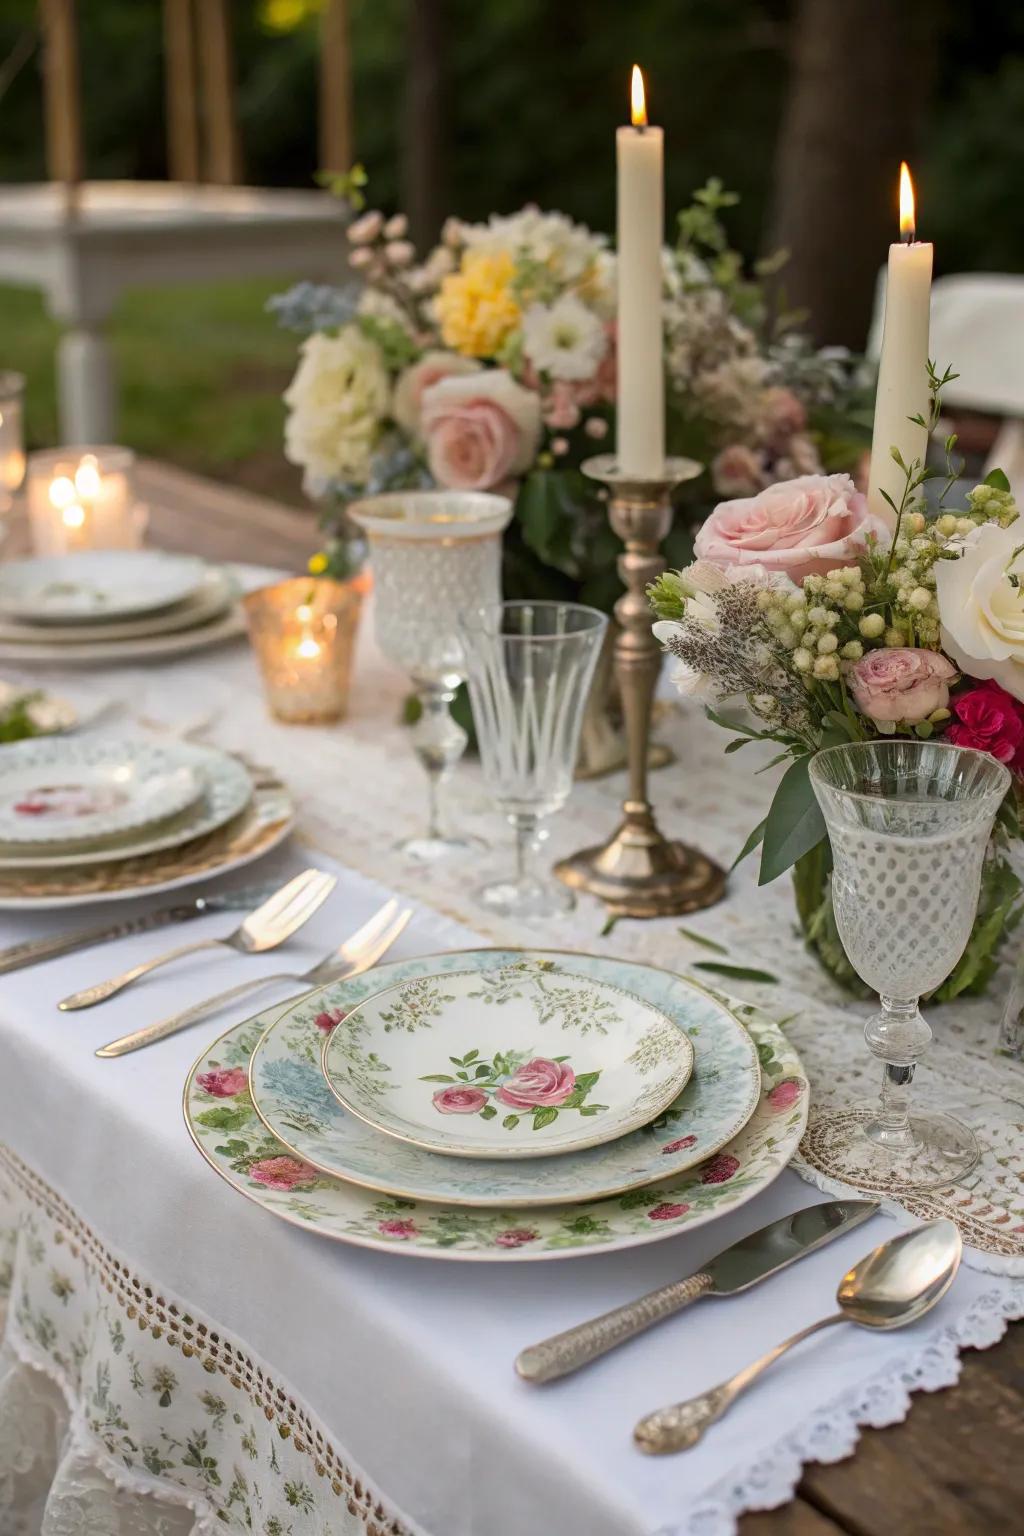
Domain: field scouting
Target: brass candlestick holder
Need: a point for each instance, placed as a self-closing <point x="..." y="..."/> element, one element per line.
<point x="639" y="872"/>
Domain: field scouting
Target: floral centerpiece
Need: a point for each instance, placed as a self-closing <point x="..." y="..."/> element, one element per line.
<point x="491" y="364"/>
<point x="830" y="626"/>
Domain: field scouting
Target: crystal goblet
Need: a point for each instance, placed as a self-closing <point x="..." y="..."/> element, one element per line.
<point x="432" y="553"/>
<point x="530" y="667"/>
<point x="909" y="823"/>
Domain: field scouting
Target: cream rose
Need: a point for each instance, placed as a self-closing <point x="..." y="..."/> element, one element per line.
<point x="480" y="429"/>
<point x="337" y="402"/>
<point x="803" y="527"/>
<point x="980" y="608"/>
<point x="416" y="380"/>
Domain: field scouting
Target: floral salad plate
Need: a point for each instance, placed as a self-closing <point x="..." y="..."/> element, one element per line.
<point x="291" y="1097"/>
<point x="231" y="1137"/>
<point x="523" y="1061"/>
<point x="75" y="791"/>
<point x="97" y="584"/>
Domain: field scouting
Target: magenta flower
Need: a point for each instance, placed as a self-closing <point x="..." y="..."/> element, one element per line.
<point x="678" y="1146"/>
<point x="395" y="1228"/>
<point x="283" y="1173"/>
<point x="457" y="1100"/>
<point x="719" y="1169"/>
<point x="666" y="1211"/>
<point x="223" y="1083"/>
<point x="785" y="1093"/>
<point x="329" y="1019"/>
<point x="515" y="1237"/>
<point x="537" y="1084"/>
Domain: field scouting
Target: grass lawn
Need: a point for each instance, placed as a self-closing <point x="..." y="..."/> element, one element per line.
<point x="200" y="371"/>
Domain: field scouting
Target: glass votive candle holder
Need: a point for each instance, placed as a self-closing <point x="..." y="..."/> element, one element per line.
<point x="304" y="634"/>
<point x="12" y="436"/>
<point x="83" y="498"/>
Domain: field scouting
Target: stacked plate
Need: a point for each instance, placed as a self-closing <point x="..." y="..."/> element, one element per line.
<point x="91" y="819"/>
<point x="113" y="605"/>
<point x="500" y="1104"/>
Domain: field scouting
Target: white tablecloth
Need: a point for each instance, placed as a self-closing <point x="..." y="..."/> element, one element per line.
<point x="405" y="1365"/>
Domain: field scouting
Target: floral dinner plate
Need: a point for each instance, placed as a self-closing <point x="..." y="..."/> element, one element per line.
<point x="97" y="584"/>
<point x="291" y="1097"/>
<point x="234" y="1141"/>
<point x="72" y="791"/>
<point x="518" y="1062"/>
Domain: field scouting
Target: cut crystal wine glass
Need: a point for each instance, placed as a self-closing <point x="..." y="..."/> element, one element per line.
<point x="530" y="667"/>
<point x="909" y="822"/>
<point x="432" y="553"/>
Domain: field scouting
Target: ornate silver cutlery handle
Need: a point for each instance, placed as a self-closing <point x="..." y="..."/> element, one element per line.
<point x="682" y="1425"/>
<point x="566" y="1352"/>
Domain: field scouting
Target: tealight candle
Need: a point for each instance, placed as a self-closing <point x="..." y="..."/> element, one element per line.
<point x="303" y="632"/>
<point x="82" y="498"/>
<point x="12" y="436"/>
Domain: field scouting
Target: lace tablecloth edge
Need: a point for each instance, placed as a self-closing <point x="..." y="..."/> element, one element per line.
<point x="831" y="1433"/>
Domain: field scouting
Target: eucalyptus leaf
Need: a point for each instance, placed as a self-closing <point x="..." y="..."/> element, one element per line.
<point x="751" y="843"/>
<point x="794" y="824"/>
<point x="736" y="972"/>
<point x="699" y="938"/>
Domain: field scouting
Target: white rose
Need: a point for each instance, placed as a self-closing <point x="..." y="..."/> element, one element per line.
<point x="981" y="610"/>
<point x="415" y="381"/>
<point x="337" y="401"/>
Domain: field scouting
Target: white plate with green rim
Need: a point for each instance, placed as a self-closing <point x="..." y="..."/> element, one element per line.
<point x="72" y="792"/>
<point x="224" y="790"/>
<point x="97" y="585"/>
<point x="522" y="1062"/>
<point x="209" y="601"/>
<point x="292" y="1099"/>
<point x="237" y="1145"/>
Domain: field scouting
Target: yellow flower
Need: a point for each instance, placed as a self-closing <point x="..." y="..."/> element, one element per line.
<point x="318" y="564"/>
<point x="476" y="307"/>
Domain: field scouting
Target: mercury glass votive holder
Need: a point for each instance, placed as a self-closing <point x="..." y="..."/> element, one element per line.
<point x="12" y="436"/>
<point x="83" y="498"/>
<point x="304" y="634"/>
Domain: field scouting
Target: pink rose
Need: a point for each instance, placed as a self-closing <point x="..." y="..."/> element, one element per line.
<point x="480" y="430"/>
<point x="329" y="1019"/>
<point x="537" y="1084"/>
<point x="283" y="1173"/>
<point x="666" y="1211"/>
<point x="781" y="414"/>
<point x="785" y="1094"/>
<point x="459" y="1101"/>
<point x="992" y="720"/>
<point x="804" y="527"/>
<point x="413" y="384"/>
<point x="395" y="1228"/>
<point x="515" y="1237"/>
<point x="737" y="471"/>
<point x="678" y="1146"/>
<point x="719" y="1168"/>
<point x="901" y="684"/>
<point x="224" y="1083"/>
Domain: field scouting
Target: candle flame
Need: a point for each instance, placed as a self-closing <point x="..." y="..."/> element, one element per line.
<point x="62" y="492"/>
<point x="87" y="477"/>
<point x="907" y="220"/>
<point x="73" y="516"/>
<point x="307" y="648"/>
<point x="638" y="99"/>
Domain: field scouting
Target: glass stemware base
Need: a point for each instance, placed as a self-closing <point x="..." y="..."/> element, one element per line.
<point x="939" y="1150"/>
<point x="530" y="897"/>
<point x="427" y="849"/>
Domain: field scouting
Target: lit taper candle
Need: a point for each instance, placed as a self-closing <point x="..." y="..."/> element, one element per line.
<point x="641" y="384"/>
<point x="903" y="364"/>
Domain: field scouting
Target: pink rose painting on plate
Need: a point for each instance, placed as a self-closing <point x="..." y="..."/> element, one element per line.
<point x="537" y="1089"/>
<point x="224" y="1082"/>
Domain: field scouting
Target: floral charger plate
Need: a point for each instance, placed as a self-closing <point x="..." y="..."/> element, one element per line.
<point x="521" y="1062"/>
<point x="231" y="1137"/>
<point x="291" y="1097"/>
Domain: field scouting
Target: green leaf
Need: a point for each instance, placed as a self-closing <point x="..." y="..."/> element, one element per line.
<point x="544" y="1116"/>
<point x="469" y="1056"/>
<point x="224" y="1119"/>
<point x="699" y="938"/>
<point x="488" y="1112"/>
<point x="737" y="972"/>
<point x="463" y="1077"/>
<point x="997" y="479"/>
<point x="751" y="843"/>
<point x="437" y="1077"/>
<point x="736" y="743"/>
<point x="590" y="1109"/>
<point x="794" y="824"/>
<point x="510" y="1122"/>
<point x="609" y="924"/>
<point x="482" y="1070"/>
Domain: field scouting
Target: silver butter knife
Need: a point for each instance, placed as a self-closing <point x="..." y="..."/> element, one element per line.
<point x="32" y="951"/>
<point x="750" y="1260"/>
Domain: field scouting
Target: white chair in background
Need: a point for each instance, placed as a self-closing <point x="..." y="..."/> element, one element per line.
<point x="977" y="327"/>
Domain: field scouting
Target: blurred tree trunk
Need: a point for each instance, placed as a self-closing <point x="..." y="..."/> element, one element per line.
<point x="424" y="179"/>
<point x="859" y="78"/>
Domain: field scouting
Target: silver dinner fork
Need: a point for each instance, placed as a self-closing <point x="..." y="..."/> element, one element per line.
<point x="356" y="954"/>
<point x="270" y="925"/>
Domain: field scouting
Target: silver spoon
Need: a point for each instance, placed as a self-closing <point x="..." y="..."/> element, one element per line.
<point x="894" y="1285"/>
